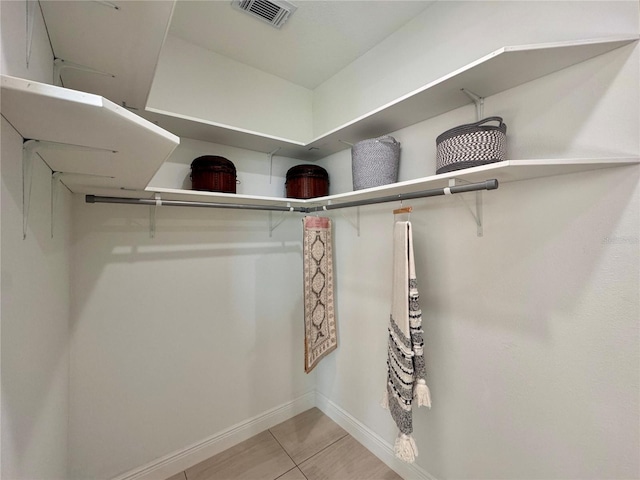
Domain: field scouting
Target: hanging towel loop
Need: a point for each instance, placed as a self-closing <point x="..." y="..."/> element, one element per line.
<point x="403" y="210"/>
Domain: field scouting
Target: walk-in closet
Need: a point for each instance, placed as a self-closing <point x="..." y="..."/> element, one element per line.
<point x="151" y="330"/>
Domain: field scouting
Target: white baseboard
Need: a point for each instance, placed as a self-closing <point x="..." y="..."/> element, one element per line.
<point x="372" y="441"/>
<point x="180" y="460"/>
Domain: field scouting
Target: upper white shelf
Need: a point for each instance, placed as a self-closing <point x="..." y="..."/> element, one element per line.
<point x="118" y="149"/>
<point x="504" y="172"/>
<point x="496" y="72"/>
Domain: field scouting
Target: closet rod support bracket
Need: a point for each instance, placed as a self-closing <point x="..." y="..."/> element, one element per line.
<point x="477" y="212"/>
<point x="281" y="218"/>
<point x="152" y="215"/>
<point x="355" y="223"/>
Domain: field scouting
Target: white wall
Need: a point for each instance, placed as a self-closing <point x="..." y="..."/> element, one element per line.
<point x="179" y="337"/>
<point x="35" y="286"/>
<point x="14" y="41"/>
<point x="531" y="330"/>
<point x="199" y="84"/>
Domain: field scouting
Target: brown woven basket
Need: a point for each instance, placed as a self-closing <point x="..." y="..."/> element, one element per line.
<point x="214" y="174"/>
<point x="307" y="181"/>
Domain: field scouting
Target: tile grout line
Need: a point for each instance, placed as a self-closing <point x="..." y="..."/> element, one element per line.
<point x="285" y="451"/>
<point x="322" y="449"/>
<point x="294" y="468"/>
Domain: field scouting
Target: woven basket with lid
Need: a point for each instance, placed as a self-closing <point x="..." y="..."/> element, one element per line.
<point x="214" y="174"/>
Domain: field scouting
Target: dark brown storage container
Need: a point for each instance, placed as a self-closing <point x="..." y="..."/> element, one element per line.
<point x="307" y="181"/>
<point x="214" y="174"/>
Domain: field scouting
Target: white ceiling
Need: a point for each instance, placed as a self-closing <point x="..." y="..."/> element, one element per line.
<point x="319" y="39"/>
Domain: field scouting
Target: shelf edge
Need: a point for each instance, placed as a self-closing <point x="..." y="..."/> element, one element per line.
<point x="489" y="171"/>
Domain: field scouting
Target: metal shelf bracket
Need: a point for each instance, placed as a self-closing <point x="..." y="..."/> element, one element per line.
<point x="479" y="101"/>
<point x="107" y="4"/>
<point x="270" y="157"/>
<point x="355" y="223"/>
<point x="152" y="215"/>
<point x="28" y="151"/>
<point x="31" y="148"/>
<point x="281" y="218"/>
<point x="55" y="193"/>
<point x="476" y="212"/>
<point x="59" y="64"/>
<point x="31" y="15"/>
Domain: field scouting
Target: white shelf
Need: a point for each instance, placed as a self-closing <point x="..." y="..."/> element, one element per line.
<point x="123" y="149"/>
<point x="132" y="148"/>
<point x="496" y="72"/>
<point x="504" y="172"/>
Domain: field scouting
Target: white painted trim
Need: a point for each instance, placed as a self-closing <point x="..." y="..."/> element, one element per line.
<point x="372" y="441"/>
<point x="180" y="460"/>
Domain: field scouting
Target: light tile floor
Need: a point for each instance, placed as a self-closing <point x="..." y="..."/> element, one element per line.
<point x="310" y="446"/>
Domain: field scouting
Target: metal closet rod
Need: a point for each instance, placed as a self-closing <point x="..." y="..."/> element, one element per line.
<point x="470" y="187"/>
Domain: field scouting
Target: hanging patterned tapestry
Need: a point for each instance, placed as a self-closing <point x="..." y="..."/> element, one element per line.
<point x="406" y="373"/>
<point x="319" y="315"/>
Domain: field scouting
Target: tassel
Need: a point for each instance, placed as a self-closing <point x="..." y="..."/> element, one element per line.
<point x="405" y="448"/>
<point x="422" y="394"/>
<point x="384" y="403"/>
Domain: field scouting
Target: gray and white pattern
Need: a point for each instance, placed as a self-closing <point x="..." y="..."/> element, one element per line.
<point x="406" y="372"/>
<point x="375" y="162"/>
<point x="471" y="145"/>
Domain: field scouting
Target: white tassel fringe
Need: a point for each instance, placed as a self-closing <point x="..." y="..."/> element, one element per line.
<point x="422" y="394"/>
<point x="405" y="448"/>
<point x="384" y="403"/>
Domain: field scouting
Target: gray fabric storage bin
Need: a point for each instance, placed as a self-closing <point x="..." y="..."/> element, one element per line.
<point x="375" y="162"/>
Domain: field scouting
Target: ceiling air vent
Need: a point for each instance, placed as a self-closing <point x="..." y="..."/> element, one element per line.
<point x="274" y="12"/>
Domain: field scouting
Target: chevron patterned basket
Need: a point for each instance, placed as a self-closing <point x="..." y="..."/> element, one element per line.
<point x="471" y="145"/>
